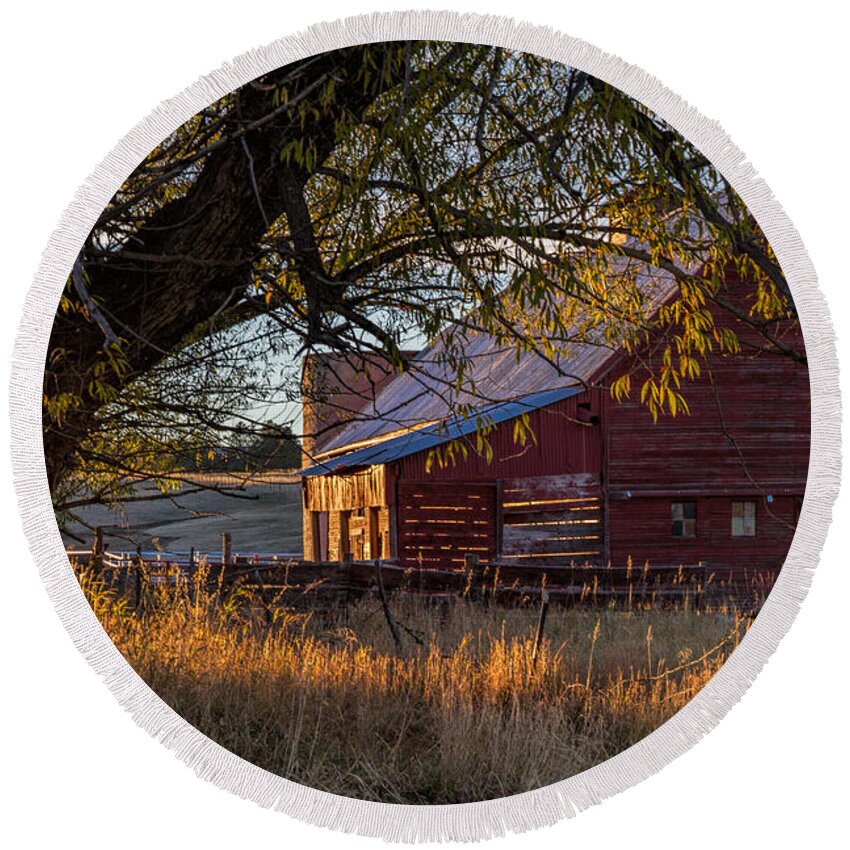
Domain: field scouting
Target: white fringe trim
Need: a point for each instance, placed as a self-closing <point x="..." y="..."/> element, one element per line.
<point x="470" y="821"/>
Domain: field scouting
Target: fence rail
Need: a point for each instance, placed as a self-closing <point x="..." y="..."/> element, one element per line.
<point x="289" y="580"/>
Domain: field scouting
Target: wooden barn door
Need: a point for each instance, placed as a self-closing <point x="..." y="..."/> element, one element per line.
<point x="554" y="519"/>
<point x="438" y="523"/>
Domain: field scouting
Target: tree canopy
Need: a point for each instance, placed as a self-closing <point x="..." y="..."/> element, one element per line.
<point x="359" y="199"/>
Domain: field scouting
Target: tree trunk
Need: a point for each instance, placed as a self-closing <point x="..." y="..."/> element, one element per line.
<point x="195" y="254"/>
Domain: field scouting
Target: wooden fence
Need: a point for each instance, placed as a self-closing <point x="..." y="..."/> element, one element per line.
<point x="288" y="580"/>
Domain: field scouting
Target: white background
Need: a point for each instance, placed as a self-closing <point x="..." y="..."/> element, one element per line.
<point x="76" y="77"/>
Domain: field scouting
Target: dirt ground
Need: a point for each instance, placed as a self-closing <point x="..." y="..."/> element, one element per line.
<point x="268" y="521"/>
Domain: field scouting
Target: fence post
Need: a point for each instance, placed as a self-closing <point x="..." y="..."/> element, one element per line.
<point x="138" y="578"/>
<point x="226" y="553"/>
<point x="191" y="575"/>
<point x="701" y="583"/>
<point x="123" y="570"/>
<point x="264" y="596"/>
<point x="479" y="574"/>
<point x="386" y="605"/>
<point x="472" y="567"/>
<point x="541" y="625"/>
<point x="97" y="548"/>
<point x="344" y="586"/>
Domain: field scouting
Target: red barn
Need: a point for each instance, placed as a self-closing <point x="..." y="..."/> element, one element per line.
<point x="599" y="483"/>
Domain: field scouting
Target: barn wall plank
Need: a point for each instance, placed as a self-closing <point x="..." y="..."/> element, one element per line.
<point x="563" y="444"/>
<point x="346" y="491"/>
<point x="439" y="524"/>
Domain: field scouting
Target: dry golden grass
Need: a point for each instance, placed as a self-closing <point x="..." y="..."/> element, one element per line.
<point x="467" y="715"/>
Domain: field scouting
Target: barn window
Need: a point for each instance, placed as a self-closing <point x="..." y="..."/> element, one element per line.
<point x="684" y="517"/>
<point x="743" y="519"/>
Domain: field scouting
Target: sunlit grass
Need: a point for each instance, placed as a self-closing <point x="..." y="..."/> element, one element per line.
<point x="464" y="711"/>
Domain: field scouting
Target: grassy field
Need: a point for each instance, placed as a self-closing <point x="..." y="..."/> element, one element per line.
<point x="268" y="519"/>
<point x="463" y="712"/>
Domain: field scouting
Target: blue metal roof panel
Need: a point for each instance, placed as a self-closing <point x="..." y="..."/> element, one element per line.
<point x="430" y="436"/>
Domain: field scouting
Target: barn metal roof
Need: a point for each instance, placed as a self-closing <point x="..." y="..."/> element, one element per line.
<point x="426" y="394"/>
<point x="411" y="442"/>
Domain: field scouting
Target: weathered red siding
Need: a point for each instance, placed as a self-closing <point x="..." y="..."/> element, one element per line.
<point x="751" y="423"/>
<point x="439" y="523"/>
<point x="567" y="441"/>
<point x="552" y="519"/>
<point x="640" y="529"/>
<point x="746" y="436"/>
